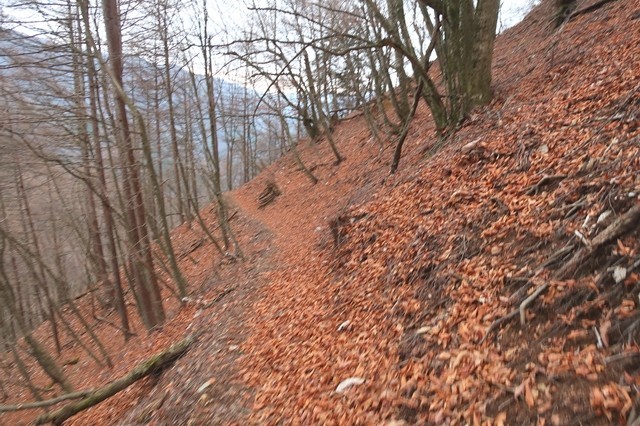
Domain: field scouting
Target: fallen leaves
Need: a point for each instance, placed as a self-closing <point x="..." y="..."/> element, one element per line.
<point x="612" y="400"/>
<point x="422" y="268"/>
<point x="427" y="261"/>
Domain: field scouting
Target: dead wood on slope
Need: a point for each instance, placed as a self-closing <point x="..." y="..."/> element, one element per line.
<point x="620" y="226"/>
<point x="45" y="403"/>
<point x="588" y="9"/>
<point x="623" y="224"/>
<point x="154" y="364"/>
<point x="545" y="181"/>
<point x="268" y="194"/>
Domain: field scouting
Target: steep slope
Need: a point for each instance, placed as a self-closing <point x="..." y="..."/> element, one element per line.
<point x="415" y="298"/>
<point x="408" y="281"/>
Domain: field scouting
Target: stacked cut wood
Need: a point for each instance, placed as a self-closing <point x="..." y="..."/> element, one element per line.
<point x="268" y="194"/>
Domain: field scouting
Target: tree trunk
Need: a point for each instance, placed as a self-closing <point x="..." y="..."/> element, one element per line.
<point x="144" y="279"/>
<point x="486" y="19"/>
<point x="152" y="365"/>
<point x="109" y="223"/>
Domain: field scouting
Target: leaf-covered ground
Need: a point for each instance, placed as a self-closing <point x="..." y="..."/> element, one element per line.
<point x="408" y="284"/>
<point x="407" y="298"/>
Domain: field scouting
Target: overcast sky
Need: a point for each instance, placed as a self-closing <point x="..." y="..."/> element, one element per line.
<point x="512" y="12"/>
<point x="232" y="13"/>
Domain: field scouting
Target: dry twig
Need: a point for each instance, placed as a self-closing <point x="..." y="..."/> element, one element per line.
<point x="546" y="180"/>
<point x="528" y="301"/>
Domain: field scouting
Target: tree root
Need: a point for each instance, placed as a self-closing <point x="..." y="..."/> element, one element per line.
<point x="623" y="224"/>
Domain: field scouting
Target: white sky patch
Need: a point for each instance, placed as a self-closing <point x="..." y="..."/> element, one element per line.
<point x="513" y="11"/>
<point x="228" y="19"/>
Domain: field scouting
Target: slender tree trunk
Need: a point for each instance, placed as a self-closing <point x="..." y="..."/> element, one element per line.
<point x="116" y="284"/>
<point x="44" y="359"/>
<point x="145" y="282"/>
<point x="96" y="252"/>
<point x="223" y="219"/>
<point x="168" y="86"/>
<point x="315" y="100"/>
<point x="39" y="275"/>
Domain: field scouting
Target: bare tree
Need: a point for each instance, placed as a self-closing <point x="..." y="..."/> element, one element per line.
<point x="141" y="261"/>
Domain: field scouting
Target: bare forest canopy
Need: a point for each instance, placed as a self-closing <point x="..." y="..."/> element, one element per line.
<point x="122" y="119"/>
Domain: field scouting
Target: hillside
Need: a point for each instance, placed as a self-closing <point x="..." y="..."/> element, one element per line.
<point x="412" y="283"/>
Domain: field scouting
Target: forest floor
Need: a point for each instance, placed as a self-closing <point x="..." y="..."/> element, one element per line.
<point x="410" y="284"/>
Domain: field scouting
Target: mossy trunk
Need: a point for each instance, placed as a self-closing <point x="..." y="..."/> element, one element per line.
<point x="151" y="365"/>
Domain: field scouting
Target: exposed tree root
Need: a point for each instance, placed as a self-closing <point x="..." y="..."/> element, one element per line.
<point x="617" y="228"/>
<point x="546" y="180"/>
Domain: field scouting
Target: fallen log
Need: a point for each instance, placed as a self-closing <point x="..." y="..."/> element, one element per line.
<point x="45" y="403"/>
<point x="154" y="364"/>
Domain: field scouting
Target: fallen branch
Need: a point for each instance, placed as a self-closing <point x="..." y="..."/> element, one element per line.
<point x="497" y="323"/>
<point x="519" y="294"/>
<point x="193" y="246"/>
<point x="618" y="227"/>
<point x="45" y="403"/>
<point x="520" y="310"/>
<point x="152" y="365"/>
<point x="526" y="302"/>
<point x="546" y="180"/>
<point x="574" y="208"/>
<point x="558" y="255"/>
<point x="219" y="297"/>
<point x="589" y="9"/>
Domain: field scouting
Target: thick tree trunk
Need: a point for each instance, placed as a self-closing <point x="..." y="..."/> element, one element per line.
<point x="465" y="52"/>
<point x="486" y="19"/>
<point x="144" y="278"/>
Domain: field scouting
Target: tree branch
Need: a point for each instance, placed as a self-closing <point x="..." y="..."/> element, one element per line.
<point x="45" y="403"/>
<point x="152" y="365"/>
<point x="587" y="9"/>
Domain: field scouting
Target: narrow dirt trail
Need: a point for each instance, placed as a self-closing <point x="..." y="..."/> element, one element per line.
<point x="283" y="243"/>
<point x="249" y="314"/>
<point x="309" y="327"/>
